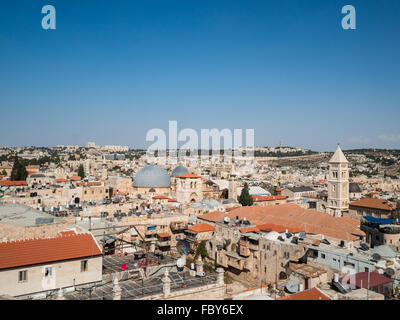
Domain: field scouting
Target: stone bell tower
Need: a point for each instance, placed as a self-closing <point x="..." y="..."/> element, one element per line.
<point x="338" y="184"/>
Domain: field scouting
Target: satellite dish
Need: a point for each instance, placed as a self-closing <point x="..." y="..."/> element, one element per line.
<point x="180" y="263"/>
<point x="292" y="286"/>
<point x="389" y="272"/>
<point x="183" y="247"/>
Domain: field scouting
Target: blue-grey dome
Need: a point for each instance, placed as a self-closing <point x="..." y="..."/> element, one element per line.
<point x="179" y="170"/>
<point x="152" y="176"/>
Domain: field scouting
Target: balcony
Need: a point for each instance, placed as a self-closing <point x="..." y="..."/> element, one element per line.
<point x="234" y="260"/>
<point x="164" y="243"/>
<point x="180" y="237"/>
<point x="150" y="232"/>
<point x="178" y="226"/>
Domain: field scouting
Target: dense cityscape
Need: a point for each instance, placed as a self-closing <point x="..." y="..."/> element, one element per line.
<point x="102" y="222"/>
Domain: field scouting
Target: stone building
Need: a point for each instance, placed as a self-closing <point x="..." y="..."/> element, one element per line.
<point x="39" y="265"/>
<point x="338" y="184"/>
<point x="189" y="188"/>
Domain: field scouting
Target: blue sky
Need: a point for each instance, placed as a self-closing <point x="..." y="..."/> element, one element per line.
<point x="112" y="70"/>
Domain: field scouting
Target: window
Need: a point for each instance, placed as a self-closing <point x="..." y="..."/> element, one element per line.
<point x="48" y="271"/>
<point x="23" y="276"/>
<point x="84" y="265"/>
<point x="322" y="255"/>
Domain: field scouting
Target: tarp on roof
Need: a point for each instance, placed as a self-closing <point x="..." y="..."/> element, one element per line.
<point x="378" y="220"/>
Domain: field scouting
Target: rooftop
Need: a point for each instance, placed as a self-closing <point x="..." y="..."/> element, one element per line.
<point x="35" y="251"/>
<point x="290" y="215"/>
<point x="374" y="203"/>
<point x="311" y="294"/>
<point x="132" y="289"/>
<point x="23" y="216"/>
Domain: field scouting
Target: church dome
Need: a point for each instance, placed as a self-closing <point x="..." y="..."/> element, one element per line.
<point x="152" y="176"/>
<point x="179" y="170"/>
<point x="354" y="188"/>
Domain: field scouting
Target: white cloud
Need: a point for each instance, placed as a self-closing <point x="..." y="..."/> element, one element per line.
<point x="389" y="138"/>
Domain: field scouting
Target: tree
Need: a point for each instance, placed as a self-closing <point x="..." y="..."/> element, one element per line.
<point x="201" y="250"/>
<point x="4" y="173"/>
<point x="81" y="172"/>
<point x="18" y="172"/>
<point x="245" y="199"/>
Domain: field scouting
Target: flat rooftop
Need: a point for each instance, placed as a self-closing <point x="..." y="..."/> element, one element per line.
<point x="133" y="289"/>
<point x="23" y="216"/>
<point x="113" y="263"/>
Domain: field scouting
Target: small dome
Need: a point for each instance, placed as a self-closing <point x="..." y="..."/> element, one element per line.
<point x="179" y="170"/>
<point x="354" y="188"/>
<point x="152" y="176"/>
<point x="384" y="251"/>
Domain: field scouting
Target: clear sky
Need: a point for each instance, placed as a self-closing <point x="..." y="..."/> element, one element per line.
<point x="112" y="70"/>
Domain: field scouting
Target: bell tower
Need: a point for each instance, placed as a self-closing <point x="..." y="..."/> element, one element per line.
<point x="338" y="184"/>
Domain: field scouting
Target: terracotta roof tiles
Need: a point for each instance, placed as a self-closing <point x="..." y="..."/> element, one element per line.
<point x="35" y="251"/>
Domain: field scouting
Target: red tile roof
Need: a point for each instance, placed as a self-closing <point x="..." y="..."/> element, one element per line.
<point x="163" y="235"/>
<point x="189" y="175"/>
<point x="92" y="183"/>
<point x="250" y="229"/>
<point x="213" y="216"/>
<point x="374" y="203"/>
<point x="291" y="215"/>
<point x="311" y="294"/>
<point x="12" y="183"/>
<point x="201" y="227"/>
<point x="34" y="251"/>
<point x="268" y="198"/>
<point x="61" y="180"/>
<point x="75" y="178"/>
<point x="160" y="197"/>
<point x="278" y="228"/>
<point x="375" y="280"/>
<point x="232" y="208"/>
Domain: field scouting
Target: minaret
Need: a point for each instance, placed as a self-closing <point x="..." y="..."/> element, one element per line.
<point x="338" y="184"/>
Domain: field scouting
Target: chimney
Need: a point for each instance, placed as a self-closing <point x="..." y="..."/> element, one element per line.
<point x="220" y="276"/>
<point x="116" y="289"/>
<point x="60" y="295"/>
<point x="166" y="284"/>
<point x="199" y="265"/>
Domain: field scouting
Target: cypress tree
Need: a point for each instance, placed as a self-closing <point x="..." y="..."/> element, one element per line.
<point x="245" y="199"/>
<point x="81" y="172"/>
<point x="18" y="172"/>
